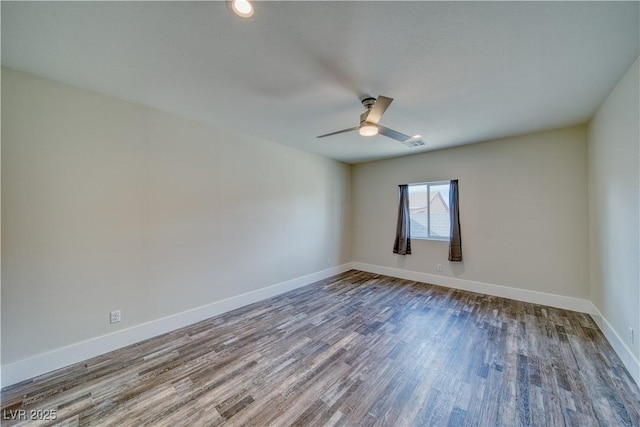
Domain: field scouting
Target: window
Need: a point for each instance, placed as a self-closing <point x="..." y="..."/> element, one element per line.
<point x="429" y="210"/>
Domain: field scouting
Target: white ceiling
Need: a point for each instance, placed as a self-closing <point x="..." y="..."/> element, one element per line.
<point x="459" y="72"/>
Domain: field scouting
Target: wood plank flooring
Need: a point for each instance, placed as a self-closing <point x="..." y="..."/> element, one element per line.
<point x="356" y="349"/>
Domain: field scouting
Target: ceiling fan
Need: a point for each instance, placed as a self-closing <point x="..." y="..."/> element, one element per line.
<point x="369" y="126"/>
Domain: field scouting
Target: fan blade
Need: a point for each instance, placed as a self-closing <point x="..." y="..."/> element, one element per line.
<point x="378" y="109"/>
<point x="392" y="134"/>
<point x="340" y="131"/>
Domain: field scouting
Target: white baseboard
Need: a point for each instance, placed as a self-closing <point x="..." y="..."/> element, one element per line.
<point x="28" y="368"/>
<point x="551" y="300"/>
<point x="624" y="352"/>
<point x="25" y="369"/>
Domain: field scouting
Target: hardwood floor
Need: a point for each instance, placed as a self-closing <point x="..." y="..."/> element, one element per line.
<point x="356" y="349"/>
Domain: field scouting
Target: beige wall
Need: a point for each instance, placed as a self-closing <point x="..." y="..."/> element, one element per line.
<point x="614" y="211"/>
<point x="109" y="205"/>
<point x="523" y="212"/>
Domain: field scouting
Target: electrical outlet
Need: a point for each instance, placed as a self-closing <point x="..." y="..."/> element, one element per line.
<point x="630" y="334"/>
<point x="115" y="316"/>
<point x="439" y="267"/>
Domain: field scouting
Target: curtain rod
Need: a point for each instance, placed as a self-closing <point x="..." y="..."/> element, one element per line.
<point x="429" y="182"/>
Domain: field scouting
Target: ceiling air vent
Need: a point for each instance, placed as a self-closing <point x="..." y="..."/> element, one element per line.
<point x="414" y="143"/>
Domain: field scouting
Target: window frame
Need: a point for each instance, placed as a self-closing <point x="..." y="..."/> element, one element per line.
<point x="429" y="184"/>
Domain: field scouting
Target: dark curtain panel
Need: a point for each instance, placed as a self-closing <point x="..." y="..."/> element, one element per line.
<point x="455" y="242"/>
<point x="402" y="245"/>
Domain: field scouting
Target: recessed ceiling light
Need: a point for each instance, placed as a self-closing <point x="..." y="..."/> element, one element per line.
<point x="416" y="136"/>
<point x="368" y="129"/>
<point x="242" y="8"/>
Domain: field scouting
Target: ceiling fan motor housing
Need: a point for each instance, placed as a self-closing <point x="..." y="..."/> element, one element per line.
<point x="367" y="103"/>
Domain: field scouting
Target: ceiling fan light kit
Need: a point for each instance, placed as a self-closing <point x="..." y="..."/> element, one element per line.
<point x="369" y="126"/>
<point x="368" y="129"/>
